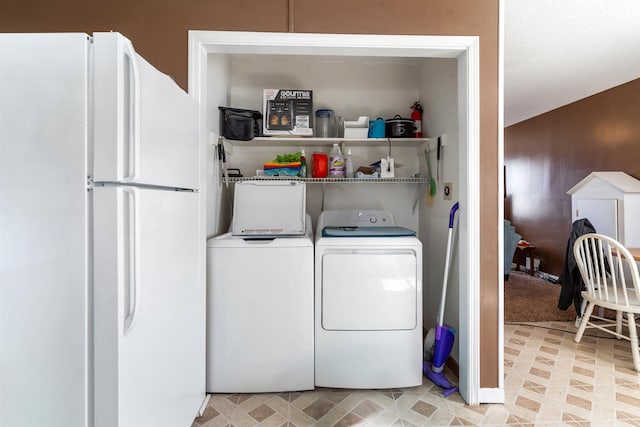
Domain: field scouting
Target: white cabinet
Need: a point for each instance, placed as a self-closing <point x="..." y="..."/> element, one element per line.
<point x="603" y="214"/>
<point x="611" y="202"/>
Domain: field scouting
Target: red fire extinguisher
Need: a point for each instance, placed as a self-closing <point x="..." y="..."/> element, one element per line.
<point x="416" y="116"/>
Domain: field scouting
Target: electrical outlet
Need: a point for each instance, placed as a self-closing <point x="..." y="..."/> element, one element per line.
<point x="447" y="189"/>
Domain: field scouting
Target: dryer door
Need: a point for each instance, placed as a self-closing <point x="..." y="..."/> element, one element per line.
<point x="367" y="289"/>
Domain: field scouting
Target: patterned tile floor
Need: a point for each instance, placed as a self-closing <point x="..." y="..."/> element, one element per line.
<point x="549" y="381"/>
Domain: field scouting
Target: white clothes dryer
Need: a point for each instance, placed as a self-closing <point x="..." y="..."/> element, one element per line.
<point x="368" y="302"/>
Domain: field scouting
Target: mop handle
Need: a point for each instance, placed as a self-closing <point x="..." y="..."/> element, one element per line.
<point x="452" y="215"/>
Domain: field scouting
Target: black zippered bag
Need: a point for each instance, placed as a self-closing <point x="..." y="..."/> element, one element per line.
<point x="240" y="124"/>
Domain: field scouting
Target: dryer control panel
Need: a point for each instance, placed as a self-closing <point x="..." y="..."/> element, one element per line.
<point x="373" y="218"/>
<point x="355" y="218"/>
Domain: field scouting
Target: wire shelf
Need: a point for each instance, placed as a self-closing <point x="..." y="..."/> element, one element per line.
<point x="416" y="180"/>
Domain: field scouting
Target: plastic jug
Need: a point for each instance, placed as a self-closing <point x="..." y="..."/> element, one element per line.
<point x="336" y="162"/>
<point x="325" y="124"/>
<point x="320" y="165"/>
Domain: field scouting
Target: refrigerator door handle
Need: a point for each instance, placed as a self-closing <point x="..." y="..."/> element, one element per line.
<point x="132" y="289"/>
<point x="133" y="136"/>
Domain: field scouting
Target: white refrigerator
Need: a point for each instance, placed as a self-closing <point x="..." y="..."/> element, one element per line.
<point x="102" y="288"/>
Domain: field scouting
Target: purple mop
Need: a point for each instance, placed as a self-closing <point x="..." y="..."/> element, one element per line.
<point x="444" y="334"/>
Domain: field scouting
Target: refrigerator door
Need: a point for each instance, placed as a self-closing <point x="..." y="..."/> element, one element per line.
<point x="44" y="293"/>
<point x="145" y="125"/>
<point x="148" y="300"/>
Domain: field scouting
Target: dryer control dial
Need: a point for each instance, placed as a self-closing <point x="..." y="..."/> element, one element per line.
<point x="362" y="218"/>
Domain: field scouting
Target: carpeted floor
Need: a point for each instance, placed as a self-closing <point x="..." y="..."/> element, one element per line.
<point x="531" y="299"/>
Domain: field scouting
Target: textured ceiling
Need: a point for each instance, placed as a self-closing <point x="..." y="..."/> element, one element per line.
<point x="559" y="51"/>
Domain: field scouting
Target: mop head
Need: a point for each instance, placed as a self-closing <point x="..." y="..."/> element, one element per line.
<point x="438" y="379"/>
<point x="433" y="367"/>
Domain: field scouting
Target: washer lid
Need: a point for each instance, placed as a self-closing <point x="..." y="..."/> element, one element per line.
<point x="269" y="208"/>
<point x="367" y="231"/>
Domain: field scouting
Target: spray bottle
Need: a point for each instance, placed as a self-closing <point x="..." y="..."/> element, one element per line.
<point x="303" y="165"/>
<point x="349" y="165"/>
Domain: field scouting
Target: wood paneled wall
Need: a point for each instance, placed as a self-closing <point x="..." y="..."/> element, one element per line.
<point x="158" y="29"/>
<point x="547" y="155"/>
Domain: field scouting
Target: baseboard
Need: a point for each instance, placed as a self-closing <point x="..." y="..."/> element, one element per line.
<point x="539" y="273"/>
<point x="548" y="276"/>
<point x="452" y="364"/>
<point x="205" y="402"/>
<point x="491" y="395"/>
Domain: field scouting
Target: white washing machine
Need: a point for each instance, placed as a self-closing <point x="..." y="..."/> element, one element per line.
<point x="260" y="295"/>
<point x="368" y="300"/>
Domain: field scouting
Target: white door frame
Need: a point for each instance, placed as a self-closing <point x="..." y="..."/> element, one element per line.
<point x="466" y="50"/>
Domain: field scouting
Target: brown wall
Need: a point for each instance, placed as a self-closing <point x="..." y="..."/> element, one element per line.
<point x="547" y="155"/>
<point x="158" y="30"/>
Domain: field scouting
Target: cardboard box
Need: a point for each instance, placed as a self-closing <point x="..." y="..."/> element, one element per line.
<point x="288" y="112"/>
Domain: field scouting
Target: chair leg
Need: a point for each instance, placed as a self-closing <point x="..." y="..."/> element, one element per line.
<point x="619" y="315"/>
<point x="633" y="337"/>
<point x="585" y="319"/>
<point x="583" y="305"/>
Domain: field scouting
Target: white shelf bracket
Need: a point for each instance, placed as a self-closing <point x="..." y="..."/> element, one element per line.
<point x="420" y="194"/>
